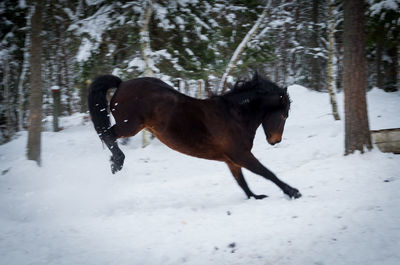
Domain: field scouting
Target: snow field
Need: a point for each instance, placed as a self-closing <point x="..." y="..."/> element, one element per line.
<point x="168" y="208"/>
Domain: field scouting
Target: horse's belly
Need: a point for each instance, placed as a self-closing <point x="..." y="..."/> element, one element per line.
<point x="191" y="146"/>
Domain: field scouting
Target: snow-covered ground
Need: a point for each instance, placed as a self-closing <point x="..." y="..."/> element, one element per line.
<point x="168" y="208"/>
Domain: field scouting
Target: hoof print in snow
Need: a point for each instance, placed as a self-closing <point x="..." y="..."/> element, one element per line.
<point x="5" y="171"/>
<point x="232" y="246"/>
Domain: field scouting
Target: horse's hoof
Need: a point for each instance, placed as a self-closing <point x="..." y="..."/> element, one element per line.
<point x="260" y="197"/>
<point x="294" y="193"/>
<point x="115" y="168"/>
<point x="117" y="163"/>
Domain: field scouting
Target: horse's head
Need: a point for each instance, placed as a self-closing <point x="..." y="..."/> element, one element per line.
<point x="276" y="105"/>
<point x="263" y="99"/>
<point x="275" y="116"/>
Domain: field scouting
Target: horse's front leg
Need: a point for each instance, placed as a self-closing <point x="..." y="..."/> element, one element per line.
<point x="251" y="163"/>
<point x="237" y="173"/>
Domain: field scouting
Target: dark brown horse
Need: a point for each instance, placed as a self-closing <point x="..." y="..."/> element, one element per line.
<point x="218" y="128"/>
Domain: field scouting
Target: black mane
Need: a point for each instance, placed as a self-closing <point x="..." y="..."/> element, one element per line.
<point x="257" y="83"/>
<point x="246" y="91"/>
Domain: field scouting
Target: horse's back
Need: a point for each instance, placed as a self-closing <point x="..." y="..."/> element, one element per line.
<point x="142" y="95"/>
<point x="146" y="86"/>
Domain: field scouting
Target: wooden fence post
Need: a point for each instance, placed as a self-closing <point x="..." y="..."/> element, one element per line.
<point x="56" y="107"/>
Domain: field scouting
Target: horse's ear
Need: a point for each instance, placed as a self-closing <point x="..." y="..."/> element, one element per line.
<point x="255" y="76"/>
<point x="285" y="89"/>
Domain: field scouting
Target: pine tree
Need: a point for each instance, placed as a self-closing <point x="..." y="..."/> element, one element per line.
<point x="384" y="38"/>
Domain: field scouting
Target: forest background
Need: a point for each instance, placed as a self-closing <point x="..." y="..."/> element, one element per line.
<point x="187" y="43"/>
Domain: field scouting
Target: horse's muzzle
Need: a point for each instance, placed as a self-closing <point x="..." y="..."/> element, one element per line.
<point x="274" y="139"/>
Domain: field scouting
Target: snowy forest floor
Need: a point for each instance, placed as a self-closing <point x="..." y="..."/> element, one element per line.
<point x="168" y="208"/>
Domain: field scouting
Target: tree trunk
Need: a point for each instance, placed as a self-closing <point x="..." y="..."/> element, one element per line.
<point x="398" y="67"/>
<point x="284" y="46"/>
<point x="22" y="76"/>
<point x="315" y="61"/>
<point x="207" y="88"/>
<point x="330" y="79"/>
<point x="84" y="95"/>
<point x="146" y="53"/>
<point x="236" y="55"/>
<point x="7" y="97"/>
<point x="357" y="133"/>
<point x="67" y="81"/>
<point x="59" y="75"/>
<point x="145" y="39"/>
<point x="199" y="88"/>
<point x="276" y="72"/>
<point x="379" y="76"/>
<point x="392" y="70"/>
<point x="296" y="11"/>
<point x="35" y="100"/>
<point x="56" y="107"/>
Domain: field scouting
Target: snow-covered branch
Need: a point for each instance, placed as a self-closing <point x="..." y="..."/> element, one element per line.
<point x="236" y="55"/>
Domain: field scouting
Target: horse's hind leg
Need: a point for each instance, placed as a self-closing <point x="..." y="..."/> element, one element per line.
<point x="120" y="130"/>
<point x="117" y="158"/>
<point x="237" y="173"/>
<point x="251" y="163"/>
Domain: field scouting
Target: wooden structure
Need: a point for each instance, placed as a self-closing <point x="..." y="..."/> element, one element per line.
<point x="387" y="140"/>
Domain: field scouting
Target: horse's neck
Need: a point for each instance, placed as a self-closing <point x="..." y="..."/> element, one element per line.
<point x="250" y="118"/>
<point x="254" y="123"/>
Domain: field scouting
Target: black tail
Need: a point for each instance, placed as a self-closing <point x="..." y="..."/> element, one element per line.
<point x="98" y="107"/>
